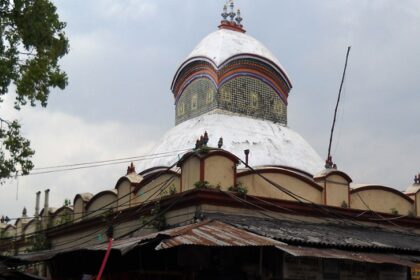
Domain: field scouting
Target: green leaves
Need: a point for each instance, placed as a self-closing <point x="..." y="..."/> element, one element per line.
<point x="17" y="151"/>
<point x="32" y="40"/>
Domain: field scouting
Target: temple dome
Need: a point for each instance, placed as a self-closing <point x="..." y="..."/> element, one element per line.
<point x="269" y="143"/>
<point x="233" y="87"/>
<point x="223" y="44"/>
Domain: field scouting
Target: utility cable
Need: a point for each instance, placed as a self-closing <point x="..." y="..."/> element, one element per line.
<point x="109" y="160"/>
<point x="93" y="165"/>
<point x="102" y="208"/>
<point x="99" y="209"/>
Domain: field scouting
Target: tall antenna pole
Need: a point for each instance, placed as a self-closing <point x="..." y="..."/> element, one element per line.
<point x="329" y="163"/>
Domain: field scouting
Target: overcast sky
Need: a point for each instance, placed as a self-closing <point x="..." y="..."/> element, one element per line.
<point x="124" y="54"/>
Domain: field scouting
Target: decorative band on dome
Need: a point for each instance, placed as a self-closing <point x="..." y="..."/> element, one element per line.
<point x="243" y="65"/>
<point x="218" y="83"/>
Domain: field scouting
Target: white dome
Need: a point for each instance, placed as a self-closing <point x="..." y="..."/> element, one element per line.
<point x="269" y="143"/>
<point x="223" y="44"/>
<point x="412" y="189"/>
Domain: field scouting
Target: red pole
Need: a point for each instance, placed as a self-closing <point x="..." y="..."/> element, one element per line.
<point x="108" y="251"/>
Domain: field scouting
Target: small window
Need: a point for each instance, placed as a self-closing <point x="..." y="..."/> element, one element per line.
<point x="225" y="95"/>
<point x="254" y="100"/>
<point x="209" y="98"/>
<point x="181" y="109"/>
<point x="194" y="102"/>
<point x="278" y="107"/>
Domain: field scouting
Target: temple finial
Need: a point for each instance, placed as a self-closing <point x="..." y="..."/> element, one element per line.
<point x="238" y="17"/>
<point x="225" y="13"/>
<point x="230" y="19"/>
<point x="131" y="168"/>
<point x="232" y="14"/>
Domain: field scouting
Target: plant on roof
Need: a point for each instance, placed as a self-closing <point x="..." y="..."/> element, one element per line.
<point x="344" y="204"/>
<point x="67" y="202"/>
<point x="65" y="218"/>
<point x="240" y="189"/>
<point x="156" y="219"/>
<point x="202" y="185"/>
<point x="172" y="190"/>
<point x="168" y="191"/>
<point x="39" y="242"/>
<point x="394" y="211"/>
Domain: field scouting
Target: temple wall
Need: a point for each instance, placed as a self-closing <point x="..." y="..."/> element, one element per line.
<point x="190" y="173"/>
<point x="163" y="185"/>
<point x="219" y="171"/>
<point x="259" y="187"/>
<point x="381" y="200"/>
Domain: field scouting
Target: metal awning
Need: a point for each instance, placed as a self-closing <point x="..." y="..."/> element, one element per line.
<point x="215" y="233"/>
<point x="299" y="251"/>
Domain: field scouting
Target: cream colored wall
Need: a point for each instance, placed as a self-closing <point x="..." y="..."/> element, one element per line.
<point x="99" y="204"/>
<point x="337" y="190"/>
<point x="10" y="232"/>
<point x="31" y="228"/>
<point x="81" y="237"/>
<point x="259" y="187"/>
<point x="190" y="173"/>
<point x="417" y="204"/>
<point x="125" y="195"/>
<point x="380" y="201"/>
<point x="219" y="171"/>
<point x="79" y="209"/>
<point x="19" y="228"/>
<point x="60" y="217"/>
<point x="157" y="188"/>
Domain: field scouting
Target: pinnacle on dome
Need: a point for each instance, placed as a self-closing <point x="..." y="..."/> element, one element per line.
<point x="234" y="23"/>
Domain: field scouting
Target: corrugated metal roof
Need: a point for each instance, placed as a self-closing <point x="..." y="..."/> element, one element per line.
<point x="349" y="255"/>
<point x="235" y="231"/>
<point x="338" y="234"/>
<point x="215" y="233"/>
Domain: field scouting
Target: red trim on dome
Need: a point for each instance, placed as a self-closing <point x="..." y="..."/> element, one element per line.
<point x="224" y="24"/>
<point x="183" y="69"/>
<point x="218" y="76"/>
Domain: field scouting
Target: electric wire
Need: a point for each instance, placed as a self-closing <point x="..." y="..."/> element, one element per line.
<point x="135" y="213"/>
<point x="104" y="207"/>
<point x="304" y="201"/>
<point x="93" y="235"/>
<point x="98" y="231"/>
<point x="101" y="208"/>
<point x="76" y="167"/>
<point x="109" y="160"/>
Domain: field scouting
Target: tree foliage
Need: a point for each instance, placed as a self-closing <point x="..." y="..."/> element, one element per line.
<point x="32" y="40"/>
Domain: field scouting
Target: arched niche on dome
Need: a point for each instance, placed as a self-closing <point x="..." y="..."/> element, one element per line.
<point x="79" y="205"/>
<point x="217" y="167"/>
<point x="294" y="182"/>
<point x="156" y="184"/>
<point x="102" y="202"/>
<point x="198" y="97"/>
<point x="243" y="91"/>
<point x="251" y="95"/>
<point x="62" y="215"/>
<point x="381" y="199"/>
<point x="336" y="187"/>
